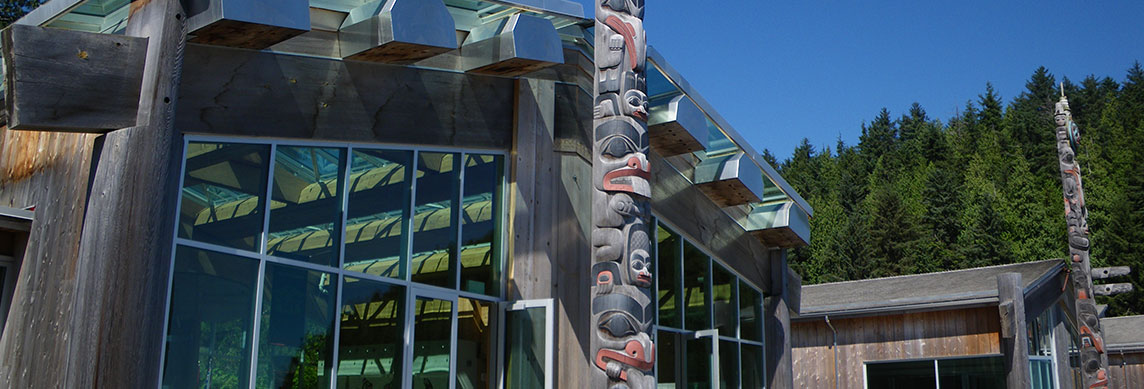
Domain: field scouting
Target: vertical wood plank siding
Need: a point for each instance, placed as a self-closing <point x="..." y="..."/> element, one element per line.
<point x="891" y="337"/>
<point x="1127" y="370"/>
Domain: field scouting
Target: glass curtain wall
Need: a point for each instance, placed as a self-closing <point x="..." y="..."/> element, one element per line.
<point x="307" y="266"/>
<point x="974" y="372"/>
<point x="703" y="306"/>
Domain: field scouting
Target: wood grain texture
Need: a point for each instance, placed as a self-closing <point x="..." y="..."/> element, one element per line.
<point x="125" y="249"/>
<point x="59" y="80"/>
<point x="1127" y="370"/>
<point x="247" y="93"/>
<point x="934" y="334"/>
<point x="50" y="171"/>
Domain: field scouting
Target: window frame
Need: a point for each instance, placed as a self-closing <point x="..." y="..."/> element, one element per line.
<point x="412" y="289"/>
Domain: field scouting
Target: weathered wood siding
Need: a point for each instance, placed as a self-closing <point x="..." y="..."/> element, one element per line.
<point x="892" y="337"/>
<point x="49" y="171"/>
<point x="1127" y="370"/>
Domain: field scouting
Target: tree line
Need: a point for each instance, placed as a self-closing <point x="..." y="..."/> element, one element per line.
<point x="919" y="195"/>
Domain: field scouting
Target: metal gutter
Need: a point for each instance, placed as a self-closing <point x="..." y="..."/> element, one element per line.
<point x="768" y="170"/>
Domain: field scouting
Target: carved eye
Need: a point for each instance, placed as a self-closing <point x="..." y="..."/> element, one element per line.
<point x="618" y="147"/>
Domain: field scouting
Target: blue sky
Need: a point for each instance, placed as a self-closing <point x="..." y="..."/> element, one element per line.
<point x="782" y="71"/>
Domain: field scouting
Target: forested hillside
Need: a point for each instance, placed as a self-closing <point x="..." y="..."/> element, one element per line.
<point x="917" y="194"/>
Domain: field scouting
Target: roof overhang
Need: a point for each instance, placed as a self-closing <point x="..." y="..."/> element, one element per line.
<point x="13" y="219"/>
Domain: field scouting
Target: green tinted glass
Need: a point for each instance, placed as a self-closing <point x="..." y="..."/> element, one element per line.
<point x="524" y="349"/>
<point x="750" y="310"/>
<point x="224" y="186"/>
<point x="377" y="220"/>
<point x="726" y="302"/>
<point x="434" y="227"/>
<point x="699" y="363"/>
<point x="480" y="233"/>
<point x="697" y="311"/>
<point x="211" y="320"/>
<point x="305" y="208"/>
<point x="370" y="346"/>
<point x="977" y="373"/>
<point x="476" y="352"/>
<point x="666" y="354"/>
<point x="728" y="364"/>
<point x="752" y="366"/>
<point x="667" y="278"/>
<point x="296" y="338"/>
<point x="432" y="327"/>
<point x="902" y="375"/>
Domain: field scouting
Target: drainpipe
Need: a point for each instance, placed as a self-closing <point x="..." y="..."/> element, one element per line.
<point x="835" y="347"/>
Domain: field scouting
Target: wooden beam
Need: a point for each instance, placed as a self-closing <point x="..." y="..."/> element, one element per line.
<point x="1101" y="273"/>
<point x="1014" y="338"/>
<point x="226" y="92"/>
<point x="135" y="184"/>
<point x="71" y="81"/>
<point x="248" y="24"/>
<point x="1111" y="289"/>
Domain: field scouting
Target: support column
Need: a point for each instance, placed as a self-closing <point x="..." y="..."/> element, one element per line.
<point x="777" y="315"/>
<point x="623" y="308"/>
<point x="125" y="248"/>
<point x="1061" y="352"/>
<point x="1014" y="337"/>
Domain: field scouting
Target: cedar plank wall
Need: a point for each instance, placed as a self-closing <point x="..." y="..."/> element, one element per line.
<point x="50" y="171"/>
<point x="874" y="338"/>
<point x="1127" y="370"/>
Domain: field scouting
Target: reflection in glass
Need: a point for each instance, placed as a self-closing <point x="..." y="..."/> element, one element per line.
<point x="977" y="373"/>
<point x="667" y="278"/>
<point x="222" y="197"/>
<point x="305" y="207"/>
<point x="725" y="300"/>
<point x="699" y="363"/>
<point x="480" y="251"/>
<point x="370" y="347"/>
<point x="901" y="375"/>
<point x="211" y="320"/>
<point x="1041" y="370"/>
<point x="728" y="364"/>
<point x="434" y="230"/>
<point x="432" y="328"/>
<point x="750" y="310"/>
<point x="476" y="365"/>
<point x="296" y="340"/>
<point x="666" y="349"/>
<point x="378" y="215"/>
<point x="697" y="311"/>
<point x="524" y="350"/>
<point x="752" y="366"/>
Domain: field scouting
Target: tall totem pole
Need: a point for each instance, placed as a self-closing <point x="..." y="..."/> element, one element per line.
<point x="622" y="306"/>
<point x="1093" y="360"/>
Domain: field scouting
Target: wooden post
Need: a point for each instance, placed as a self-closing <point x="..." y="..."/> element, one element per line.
<point x="777" y="325"/>
<point x="125" y="247"/>
<point x="1061" y="339"/>
<point x="1014" y="337"/>
<point x="1093" y="360"/>
<point x="623" y="309"/>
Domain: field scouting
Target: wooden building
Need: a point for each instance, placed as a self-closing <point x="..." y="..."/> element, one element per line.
<point x="353" y="194"/>
<point x="944" y="329"/>
<point x="1124" y="340"/>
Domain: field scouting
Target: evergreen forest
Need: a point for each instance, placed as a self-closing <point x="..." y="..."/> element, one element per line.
<point x="983" y="188"/>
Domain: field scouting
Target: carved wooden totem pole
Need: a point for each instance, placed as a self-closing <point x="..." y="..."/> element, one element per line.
<point x="622" y="306"/>
<point x="1092" y="357"/>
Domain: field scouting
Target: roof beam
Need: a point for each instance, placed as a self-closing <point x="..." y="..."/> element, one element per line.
<point x="1101" y="273"/>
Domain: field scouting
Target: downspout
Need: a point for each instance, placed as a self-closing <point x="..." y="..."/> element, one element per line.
<point x="835" y="347"/>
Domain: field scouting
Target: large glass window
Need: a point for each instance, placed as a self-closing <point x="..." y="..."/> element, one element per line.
<point x="318" y="266"/>
<point x="975" y="372"/>
<point x="704" y="306"/>
<point x="211" y="320"/>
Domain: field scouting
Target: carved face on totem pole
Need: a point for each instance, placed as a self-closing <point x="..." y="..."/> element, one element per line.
<point x="622" y="307"/>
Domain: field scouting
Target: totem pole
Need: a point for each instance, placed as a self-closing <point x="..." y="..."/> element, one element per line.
<point x="1093" y="360"/>
<point x="622" y="306"/>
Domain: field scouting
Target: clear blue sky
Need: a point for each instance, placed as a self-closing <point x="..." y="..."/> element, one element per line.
<point x="782" y="71"/>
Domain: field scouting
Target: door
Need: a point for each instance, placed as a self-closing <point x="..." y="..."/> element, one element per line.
<point x="528" y="344"/>
<point x="432" y="352"/>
